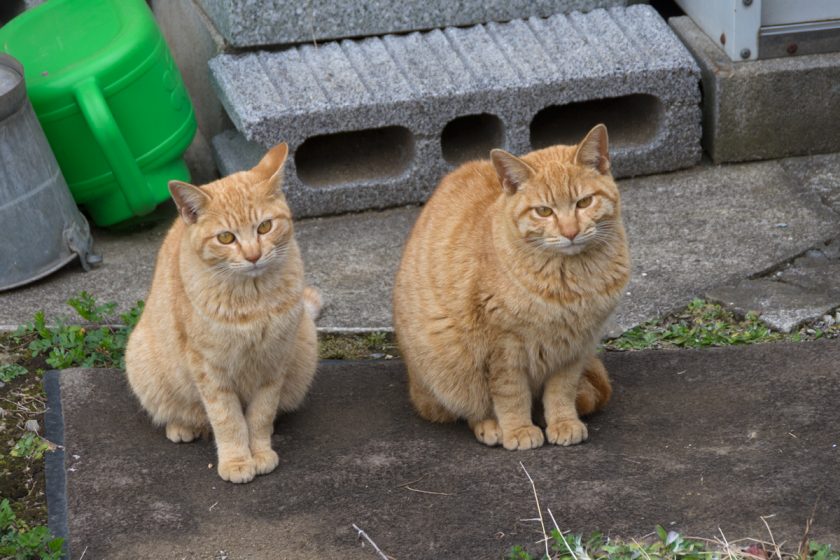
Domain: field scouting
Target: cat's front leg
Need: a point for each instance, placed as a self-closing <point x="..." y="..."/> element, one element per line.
<point x="260" y="419"/>
<point x="512" y="399"/>
<point x="230" y="431"/>
<point x="563" y="427"/>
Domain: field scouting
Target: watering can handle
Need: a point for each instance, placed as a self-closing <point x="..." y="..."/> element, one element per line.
<point x="130" y="179"/>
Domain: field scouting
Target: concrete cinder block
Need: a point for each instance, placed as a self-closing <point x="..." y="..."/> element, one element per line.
<point x="764" y="109"/>
<point x="376" y="122"/>
<point x="251" y="23"/>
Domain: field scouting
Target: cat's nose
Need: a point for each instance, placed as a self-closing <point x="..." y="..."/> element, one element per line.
<point x="570" y="232"/>
<point x="252" y="258"/>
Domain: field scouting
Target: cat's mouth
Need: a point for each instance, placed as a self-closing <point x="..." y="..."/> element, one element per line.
<point x="255" y="270"/>
<point x="572" y="248"/>
<point x="563" y="245"/>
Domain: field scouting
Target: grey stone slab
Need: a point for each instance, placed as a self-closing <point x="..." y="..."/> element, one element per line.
<point x="815" y="274"/>
<point x="353" y="259"/>
<point x="694" y="230"/>
<point x="252" y="23"/>
<point x="698" y="441"/>
<point x="780" y="305"/>
<point x="375" y="122"/>
<point x="232" y="152"/>
<point x="804" y="291"/>
<point x="689" y="231"/>
<point x="820" y="173"/>
<point x="764" y="109"/>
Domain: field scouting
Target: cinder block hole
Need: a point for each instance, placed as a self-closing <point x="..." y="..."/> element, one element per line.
<point x="471" y="137"/>
<point x="354" y="156"/>
<point x="631" y="120"/>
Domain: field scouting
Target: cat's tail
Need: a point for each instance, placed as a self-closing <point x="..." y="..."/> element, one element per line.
<point x="594" y="389"/>
<point x="312" y="301"/>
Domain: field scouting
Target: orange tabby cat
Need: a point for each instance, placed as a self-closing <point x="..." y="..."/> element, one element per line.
<point x="227" y="337"/>
<point x="505" y="284"/>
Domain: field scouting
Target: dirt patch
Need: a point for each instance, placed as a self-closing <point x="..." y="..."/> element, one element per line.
<point x="22" y="479"/>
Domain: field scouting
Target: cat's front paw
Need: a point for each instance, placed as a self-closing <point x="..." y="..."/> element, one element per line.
<point x="487" y="432"/>
<point x="525" y="437"/>
<point x="266" y="461"/>
<point x="238" y="470"/>
<point x="566" y="432"/>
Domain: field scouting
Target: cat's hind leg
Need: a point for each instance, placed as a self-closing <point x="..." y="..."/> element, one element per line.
<point x="487" y="431"/>
<point x="300" y="370"/>
<point x="181" y="433"/>
<point x="427" y="405"/>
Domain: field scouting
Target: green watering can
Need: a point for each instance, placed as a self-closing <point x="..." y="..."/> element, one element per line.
<point x="110" y="101"/>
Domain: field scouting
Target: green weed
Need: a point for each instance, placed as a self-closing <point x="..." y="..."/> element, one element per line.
<point x="21" y="542"/>
<point x="76" y="346"/>
<point x="31" y="446"/>
<point x="11" y="371"/>
<point x="698" y="325"/>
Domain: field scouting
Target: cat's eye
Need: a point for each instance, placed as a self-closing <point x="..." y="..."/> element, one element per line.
<point x="543" y="211"/>
<point x="226" y="238"/>
<point x="264" y="227"/>
<point x="584" y="202"/>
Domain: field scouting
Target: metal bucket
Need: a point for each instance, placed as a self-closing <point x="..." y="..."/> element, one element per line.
<point x="42" y="228"/>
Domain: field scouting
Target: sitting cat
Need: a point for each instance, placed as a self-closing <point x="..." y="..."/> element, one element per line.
<point x="227" y="337"/>
<point x="505" y="284"/>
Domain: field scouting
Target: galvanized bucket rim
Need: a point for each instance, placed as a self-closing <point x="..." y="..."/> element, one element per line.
<point x="13" y="99"/>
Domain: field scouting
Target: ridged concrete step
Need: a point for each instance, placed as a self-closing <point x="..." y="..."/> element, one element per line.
<point x="251" y="23"/>
<point x="376" y="122"/>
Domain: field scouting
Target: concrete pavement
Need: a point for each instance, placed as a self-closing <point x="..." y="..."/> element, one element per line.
<point x="698" y="441"/>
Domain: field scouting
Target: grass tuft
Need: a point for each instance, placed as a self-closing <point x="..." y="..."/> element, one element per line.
<point x="20" y="541"/>
<point x="665" y="545"/>
<point x="702" y="324"/>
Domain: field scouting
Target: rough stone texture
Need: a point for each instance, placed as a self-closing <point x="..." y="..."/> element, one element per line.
<point x="805" y="290"/>
<point x="699" y="441"/>
<point x="781" y="306"/>
<point x="689" y="231"/>
<point x="694" y="230"/>
<point x="250" y="23"/>
<point x="764" y="109"/>
<point x="232" y="152"/>
<point x="353" y="259"/>
<point x="815" y="273"/>
<point x="412" y="107"/>
<point x="820" y="174"/>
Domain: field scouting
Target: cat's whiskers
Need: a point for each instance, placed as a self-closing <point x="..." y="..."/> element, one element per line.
<point x="220" y="271"/>
<point x="606" y="233"/>
<point x="278" y="253"/>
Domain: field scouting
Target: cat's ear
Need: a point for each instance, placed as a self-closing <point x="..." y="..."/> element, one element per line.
<point x="512" y="171"/>
<point x="189" y="199"/>
<point x="593" y="151"/>
<point x="271" y="166"/>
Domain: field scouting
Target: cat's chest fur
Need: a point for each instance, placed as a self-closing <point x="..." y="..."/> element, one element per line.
<point x="555" y="323"/>
<point x="245" y="332"/>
